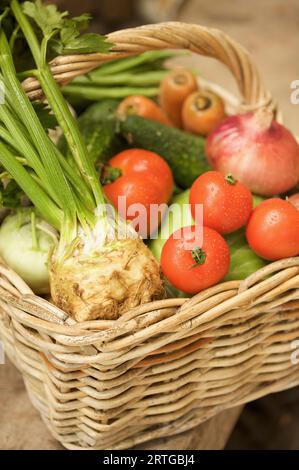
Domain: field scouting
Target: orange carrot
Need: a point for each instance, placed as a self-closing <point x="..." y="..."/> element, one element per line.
<point x="141" y="106"/>
<point x="202" y="112"/>
<point x="174" y="89"/>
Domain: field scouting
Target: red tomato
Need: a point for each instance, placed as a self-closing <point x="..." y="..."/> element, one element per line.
<point x="273" y="229"/>
<point x="146" y="180"/>
<point x="227" y="204"/>
<point x="144" y="161"/>
<point x="192" y="264"/>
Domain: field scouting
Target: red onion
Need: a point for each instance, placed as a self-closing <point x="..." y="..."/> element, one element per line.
<point x="258" y="151"/>
<point x="294" y="199"/>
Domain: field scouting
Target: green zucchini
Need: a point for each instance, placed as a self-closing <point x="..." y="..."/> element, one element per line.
<point x="184" y="152"/>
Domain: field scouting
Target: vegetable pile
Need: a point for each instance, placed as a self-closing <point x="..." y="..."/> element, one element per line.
<point x="100" y="267"/>
<point x="148" y="186"/>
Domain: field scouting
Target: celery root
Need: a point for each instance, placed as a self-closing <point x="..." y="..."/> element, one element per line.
<point x="107" y="282"/>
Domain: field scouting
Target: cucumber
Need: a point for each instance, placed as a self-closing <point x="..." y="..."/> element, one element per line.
<point x="184" y="152"/>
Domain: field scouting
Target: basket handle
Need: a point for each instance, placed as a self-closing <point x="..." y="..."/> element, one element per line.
<point x="208" y="42"/>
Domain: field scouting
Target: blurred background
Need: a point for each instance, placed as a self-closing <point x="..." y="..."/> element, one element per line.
<point x="269" y="29"/>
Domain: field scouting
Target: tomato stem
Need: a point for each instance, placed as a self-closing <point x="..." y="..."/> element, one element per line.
<point x="199" y="256"/>
<point x="110" y="174"/>
<point x="230" y="179"/>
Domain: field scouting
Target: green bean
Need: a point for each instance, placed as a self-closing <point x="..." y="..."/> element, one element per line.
<point x="95" y="93"/>
<point x="120" y="65"/>
<point x="149" y="78"/>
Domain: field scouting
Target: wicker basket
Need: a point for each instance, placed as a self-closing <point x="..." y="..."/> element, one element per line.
<point x="166" y="366"/>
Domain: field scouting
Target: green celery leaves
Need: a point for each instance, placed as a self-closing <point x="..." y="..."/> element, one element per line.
<point x="65" y="33"/>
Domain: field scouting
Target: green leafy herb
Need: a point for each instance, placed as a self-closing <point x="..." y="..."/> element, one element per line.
<point x="47" y="17"/>
<point x="64" y="34"/>
<point x="85" y="44"/>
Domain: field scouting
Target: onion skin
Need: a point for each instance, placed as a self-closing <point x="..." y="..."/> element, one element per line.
<point x="258" y="151"/>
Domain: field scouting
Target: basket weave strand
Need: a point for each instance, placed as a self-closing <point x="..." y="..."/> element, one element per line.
<point x="173" y="35"/>
<point x="166" y="366"/>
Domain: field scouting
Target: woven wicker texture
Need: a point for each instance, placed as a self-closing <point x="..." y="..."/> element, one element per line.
<point x="167" y="366"/>
<point x="204" y="41"/>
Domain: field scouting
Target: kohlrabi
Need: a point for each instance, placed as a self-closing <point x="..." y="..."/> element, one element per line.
<point x="26" y="244"/>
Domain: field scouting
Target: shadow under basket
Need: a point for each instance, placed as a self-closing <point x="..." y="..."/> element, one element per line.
<point x="166" y="366"/>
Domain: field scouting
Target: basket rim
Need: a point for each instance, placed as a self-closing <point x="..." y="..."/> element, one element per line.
<point x="39" y="313"/>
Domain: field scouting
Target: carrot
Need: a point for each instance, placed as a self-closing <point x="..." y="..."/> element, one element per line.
<point x="202" y="112"/>
<point x="143" y="107"/>
<point x="174" y="89"/>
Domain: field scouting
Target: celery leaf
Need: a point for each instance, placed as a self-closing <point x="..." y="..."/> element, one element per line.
<point x="65" y="33"/>
<point x="85" y="44"/>
<point x="47" y="17"/>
